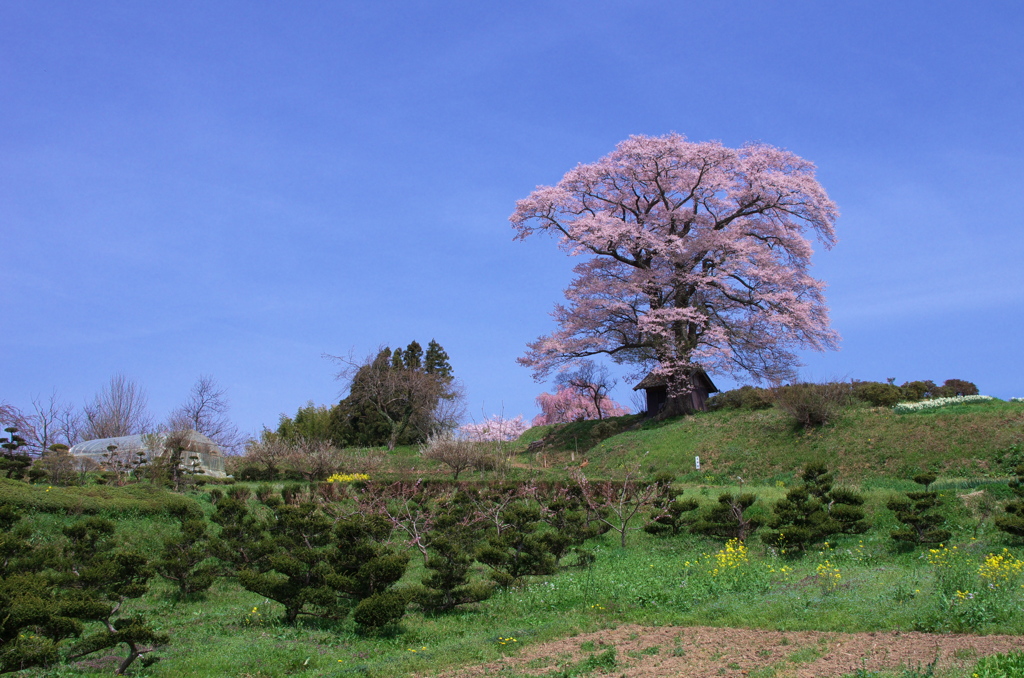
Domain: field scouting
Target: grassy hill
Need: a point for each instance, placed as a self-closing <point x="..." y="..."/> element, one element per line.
<point x="865" y="443"/>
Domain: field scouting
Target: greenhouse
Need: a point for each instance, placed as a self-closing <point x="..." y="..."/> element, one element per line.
<point x="130" y="450"/>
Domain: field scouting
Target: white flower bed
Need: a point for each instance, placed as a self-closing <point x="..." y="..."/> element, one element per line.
<point x="1017" y="400"/>
<point x="939" y="402"/>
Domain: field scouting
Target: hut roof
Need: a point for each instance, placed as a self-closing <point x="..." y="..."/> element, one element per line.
<point x="654" y="380"/>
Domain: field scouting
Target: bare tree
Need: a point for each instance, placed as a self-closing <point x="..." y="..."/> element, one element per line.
<point x="270" y="451"/>
<point x="119" y="409"/>
<point x="49" y="422"/>
<point x="206" y="411"/>
<point x="616" y="503"/>
<point x="593" y="382"/>
<point x="54" y="422"/>
<point x="458" y="454"/>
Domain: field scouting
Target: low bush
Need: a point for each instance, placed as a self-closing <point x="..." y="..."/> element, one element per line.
<point x="952" y="388"/>
<point x="878" y="394"/>
<point x="812" y="405"/>
<point x="742" y="398"/>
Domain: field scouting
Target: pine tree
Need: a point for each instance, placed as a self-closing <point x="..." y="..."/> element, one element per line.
<point x="436" y="361"/>
<point x="413" y="356"/>
<point x="105" y="578"/>
<point x="728" y="519"/>
<point x="453" y="540"/>
<point x="183" y="559"/>
<point x="918" y="512"/>
<point x="518" y="551"/>
<point x="814" y="511"/>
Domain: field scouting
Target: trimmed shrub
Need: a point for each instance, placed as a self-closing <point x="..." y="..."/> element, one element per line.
<point x="1013" y="523"/>
<point x="814" y="511"/>
<point x="728" y="519"/>
<point x="918" y="512"/>
<point x="380" y="609"/>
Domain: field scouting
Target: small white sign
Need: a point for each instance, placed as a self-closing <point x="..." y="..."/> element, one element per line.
<point x="696" y="462"/>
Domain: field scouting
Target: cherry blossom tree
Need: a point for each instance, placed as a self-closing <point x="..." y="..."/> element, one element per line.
<point x="570" y="404"/>
<point x="495" y="429"/>
<point x="695" y="258"/>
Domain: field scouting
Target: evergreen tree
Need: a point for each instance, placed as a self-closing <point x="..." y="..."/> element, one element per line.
<point x="518" y="550"/>
<point x="184" y="558"/>
<point x="299" y="573"/>
<point x="13" y="463"/>
<point x="413" y="356"/>
<point x="918" y="512"/>
<point x="814" y="511"/>
<point x="453" y="540"/>
<point x="243" y="542"/>
<point x="436" y="361"/>
<point x="728" y="518"/>
<point x="393" y="398"/>
<point x="104" y="578"/>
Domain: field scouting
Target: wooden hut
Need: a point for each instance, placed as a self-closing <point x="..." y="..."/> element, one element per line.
<point x="656" y="390"/>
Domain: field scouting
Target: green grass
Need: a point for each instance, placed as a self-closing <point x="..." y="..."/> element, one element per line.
<point x="654" y="581"/>
<point x="650" y="582"/>
<point x="973" y="441"/>
<point x="139" y="499"/>
<point x="968" y="442"/>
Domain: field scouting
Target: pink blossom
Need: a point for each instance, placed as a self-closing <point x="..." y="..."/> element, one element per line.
<point x="495" y="429"/>
<point x="695" y="255"/>
<point x="569" y="404"/>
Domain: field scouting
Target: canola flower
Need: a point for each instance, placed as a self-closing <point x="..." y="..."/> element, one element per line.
<point x="942" y="556"/>
<point x="347" y="477"/>
<point x="731" y="558"/>
<point x="828" y="576"/>
<point x="1000" y="568"/>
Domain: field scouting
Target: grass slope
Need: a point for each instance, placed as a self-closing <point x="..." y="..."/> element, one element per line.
<point x="977" y="440"/>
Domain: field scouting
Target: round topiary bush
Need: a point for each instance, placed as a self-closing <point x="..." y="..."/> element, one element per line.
<point x="380" y="609"/>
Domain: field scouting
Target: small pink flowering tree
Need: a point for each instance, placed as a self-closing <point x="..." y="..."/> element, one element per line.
<point x="695" y="259"/>
<point x="570" y="404"/>
<point x="495" y="429"/>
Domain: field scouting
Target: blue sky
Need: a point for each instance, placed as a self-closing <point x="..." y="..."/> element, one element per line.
<point x="236" y="188"/>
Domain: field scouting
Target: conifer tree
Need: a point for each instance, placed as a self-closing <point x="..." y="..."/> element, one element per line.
<point x="728" y="518"/>
<point x="436" y="361"/>
<point x="518" y="550"/>
<point x="105" y="578"/>
<point x="184" y="558"/>
<point x="814" y="511"/>
<point x="413" y="356"/>
<point x="918" y="511"/>
<point x="453" y="540"/>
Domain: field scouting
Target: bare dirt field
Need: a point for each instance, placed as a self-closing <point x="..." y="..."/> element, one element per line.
<point x="699" y="652"/>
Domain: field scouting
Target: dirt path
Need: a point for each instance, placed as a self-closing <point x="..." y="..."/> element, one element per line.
<point x="699" y="652"/>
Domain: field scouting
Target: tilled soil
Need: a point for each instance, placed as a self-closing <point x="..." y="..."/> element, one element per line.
<point x="700" y="651"/>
